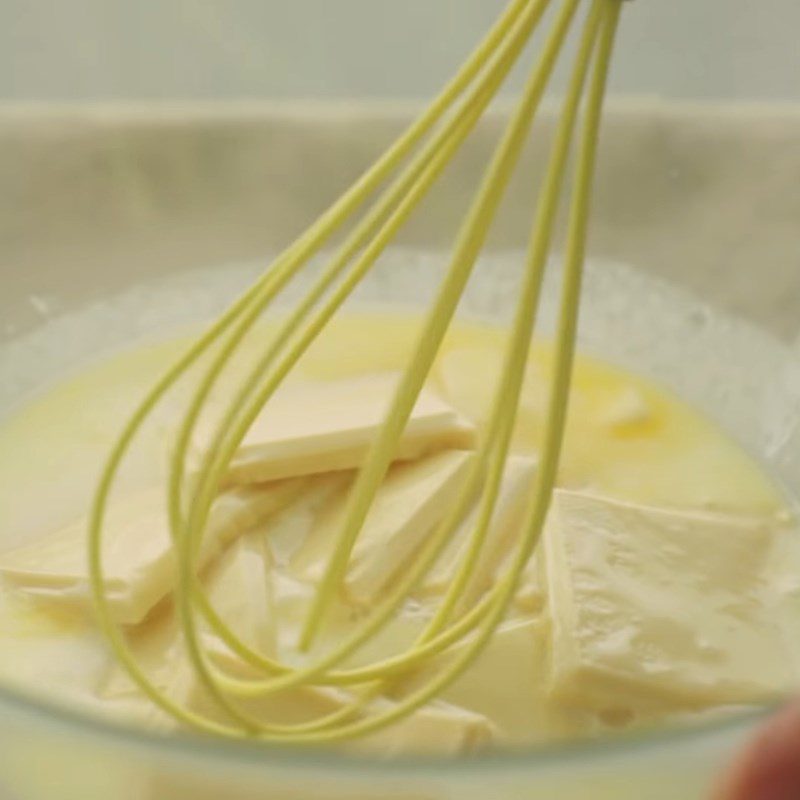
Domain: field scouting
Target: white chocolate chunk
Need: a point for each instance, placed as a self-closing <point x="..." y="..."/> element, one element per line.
<point x="288" y="531"/>
<point x="414" y="496"/>
<point x="509" y="683"/>
<point x="293" y="599"/>
<point x="328" y="426"/>
<point x="656" y="608"/>
<point x="627" y="408"/>
<point x="531" y="594"/>
<point x="239" y="587"/>
<point x="137" y="554"/>
<point x="240" y="591"/>
<point x="436" y="729"/>
<point x="502" y="533"/>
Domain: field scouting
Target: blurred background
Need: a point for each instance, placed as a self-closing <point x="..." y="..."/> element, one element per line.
<point x="69" y="50"/>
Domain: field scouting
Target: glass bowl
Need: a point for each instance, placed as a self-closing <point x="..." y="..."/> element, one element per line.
<point x="700" y="200"/>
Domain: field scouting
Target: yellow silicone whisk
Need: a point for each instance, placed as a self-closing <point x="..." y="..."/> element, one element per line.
<point x="387" y="194"/>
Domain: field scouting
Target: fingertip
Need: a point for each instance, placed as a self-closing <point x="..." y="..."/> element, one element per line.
<point x="769" y="769"/>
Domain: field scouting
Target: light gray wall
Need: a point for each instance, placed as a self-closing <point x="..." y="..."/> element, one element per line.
<point x="91" y="49"/>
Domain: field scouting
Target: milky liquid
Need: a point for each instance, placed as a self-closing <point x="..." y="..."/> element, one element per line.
<point x="70" y="384"/>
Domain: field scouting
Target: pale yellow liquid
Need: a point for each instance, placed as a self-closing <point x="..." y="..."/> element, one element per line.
<point x="626" y="438"/>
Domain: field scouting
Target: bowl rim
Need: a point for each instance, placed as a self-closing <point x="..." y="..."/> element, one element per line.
<point x="250" y="754"/>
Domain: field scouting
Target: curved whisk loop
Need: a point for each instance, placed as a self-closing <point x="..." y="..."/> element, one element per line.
<point x="189" y="501"/>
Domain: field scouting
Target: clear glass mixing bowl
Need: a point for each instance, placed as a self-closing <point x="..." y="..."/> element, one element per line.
<point x="96" y="200"/>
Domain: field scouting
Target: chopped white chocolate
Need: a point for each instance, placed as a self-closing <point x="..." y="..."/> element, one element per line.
<point x="293" y="599"/>
<point x="239" y="587"/>
<point x="660" y="608"/>
<point x="137" y="551"/>
<point x="287" y="532"/>
<point x="328" y="426"/>
<point x="502" y="534"/>
<point x="627" y="408"/>
<point x="508" y="683"/>
<point x="531" y="594"/>
<point x="412" y="499"/>
<point x="240" y="591"/>
<point x="436" y="729"/>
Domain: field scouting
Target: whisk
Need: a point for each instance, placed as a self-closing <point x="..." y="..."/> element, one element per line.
<point x="428" y="145"/>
